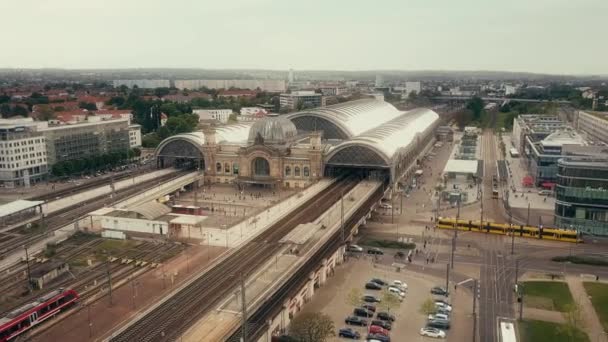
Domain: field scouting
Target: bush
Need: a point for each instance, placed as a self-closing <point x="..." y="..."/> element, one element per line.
<point x="583" y="260"/>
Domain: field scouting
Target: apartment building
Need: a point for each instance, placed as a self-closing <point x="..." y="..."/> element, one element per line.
<point x="221" y="115"/>
<point x="308" y="99"/>
<point x="23" y="155"/>
<point x="594" y="124"/>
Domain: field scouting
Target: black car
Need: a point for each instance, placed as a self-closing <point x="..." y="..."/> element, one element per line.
<point x="373" y="286"/>
<point x="349" y="333"/>
<point x="375" y="250"/>
<point x="354" y="320"/>
<point x="378" y="337"/>
<point x="361" y="312"/>
<point x="438" y="290"/>
<point x="385" y="316"/>
<point x="369" y="307"/>
<point x="370" y="299"/>
<point x="378" y="281"/>
<point x="384" y="324"/>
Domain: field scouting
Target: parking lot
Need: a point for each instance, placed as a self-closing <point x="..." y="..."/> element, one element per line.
<point x="333" y="300"/>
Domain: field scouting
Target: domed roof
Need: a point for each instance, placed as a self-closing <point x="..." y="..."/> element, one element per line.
<point x="274" y="129"/>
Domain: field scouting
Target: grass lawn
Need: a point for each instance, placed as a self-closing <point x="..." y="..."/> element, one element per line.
<point x="533" y="331"/>
<point x="548" y="295"/>
<point x="599" y="298"/>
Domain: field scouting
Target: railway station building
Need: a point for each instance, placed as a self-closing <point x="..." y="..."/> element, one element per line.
<point x="370" y="137"/>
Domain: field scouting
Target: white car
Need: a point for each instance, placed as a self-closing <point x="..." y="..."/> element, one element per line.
<point x="400" y="284"/>
<point x="443" y="306"/>
<point x="396" y="290"/>
<point x="439" y="316"/>
<point x="386" y="206"/>
<point x="432" y="332"/>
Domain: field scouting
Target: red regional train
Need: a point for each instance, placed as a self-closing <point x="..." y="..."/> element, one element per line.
<point x="29" y="315"/>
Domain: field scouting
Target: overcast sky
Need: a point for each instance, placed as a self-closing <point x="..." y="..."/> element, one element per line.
<point x="545" y="36"/>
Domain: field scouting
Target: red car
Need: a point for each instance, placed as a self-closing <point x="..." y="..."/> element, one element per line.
<point x="374" y="329"/>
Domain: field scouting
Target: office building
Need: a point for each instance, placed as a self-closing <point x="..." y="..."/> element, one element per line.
<point x="594" y="124"/>
<point x="147" y="84"/>
<point x="301" y="99"/>
<point x="273" y="86"/>
<point x="23" y="156"/>
<point x="221" y="115"/>
<point x="534" y="126"/>
<point x="582" y="194"/>
<point x="291" y="78"/>
<point x="88" y="139"/>
<point x="134" y="135"/>
<point x="542" y="156"/>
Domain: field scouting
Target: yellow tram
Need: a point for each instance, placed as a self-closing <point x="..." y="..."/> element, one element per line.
<point x="555" y="234"/>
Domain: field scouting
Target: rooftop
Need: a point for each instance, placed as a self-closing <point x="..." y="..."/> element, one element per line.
<point x="17" y="206"/>
<point x="461" y="166"/>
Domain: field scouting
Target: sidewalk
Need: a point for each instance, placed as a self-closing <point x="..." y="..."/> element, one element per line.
<point x="591" y="323"/>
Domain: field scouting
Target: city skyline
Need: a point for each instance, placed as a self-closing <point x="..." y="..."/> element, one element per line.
<point x="546" y="37"/>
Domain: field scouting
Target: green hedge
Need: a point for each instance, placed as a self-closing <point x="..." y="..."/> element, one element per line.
<point x="585" y="260"/>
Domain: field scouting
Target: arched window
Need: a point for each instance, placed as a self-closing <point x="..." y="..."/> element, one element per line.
<point x="261" y="167"/>
<point x="306" y="171"/>
<point x="296" y="171"/>
<point x="226" y="168"/>
<point x="235" y="168"/>
<point x="218" y="167"/>
<point x="287" y="171"/>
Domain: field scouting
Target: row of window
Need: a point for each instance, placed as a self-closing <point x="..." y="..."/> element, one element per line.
<point x="296" y="171"/>
<point x="27" y="163"/>
<point x="25" y="156"/>
<point x="22" y="143"/>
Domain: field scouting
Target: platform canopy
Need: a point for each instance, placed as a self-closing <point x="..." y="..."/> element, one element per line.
<point x="461" y="166"/>
<point x="17" y="206"/>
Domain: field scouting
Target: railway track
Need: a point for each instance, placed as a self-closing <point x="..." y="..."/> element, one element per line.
<point x="69" y="215"/>
<point x="170" y="319"/>
<point x="257" y="322"/>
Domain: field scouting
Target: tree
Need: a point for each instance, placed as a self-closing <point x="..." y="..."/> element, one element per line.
<point x="574" y="318"/>
<point x="355" y="297"/>
<point x="232" y="117"/>
<point x="412" y="96"/>
<point x="312" y="327"/>
<point x="475" y="105"/>
<point x="5" y="110"/>
<point x="160" y="92"/>
<point x="136" y="151"/>
<point x="389" y="300"/>
<point x="45" y="113"/>
<point x="150" y="140"/>
<point x="20" y="110"/>
<point x="427" y="307"/>
<point x="87" y="105"/>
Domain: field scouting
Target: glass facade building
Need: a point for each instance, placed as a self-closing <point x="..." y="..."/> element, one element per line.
<point x="582" y="195"/>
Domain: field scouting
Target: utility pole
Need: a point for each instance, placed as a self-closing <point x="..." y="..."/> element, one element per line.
<point x="342" y="215"/>
<point x="244" y="308"/>
<point x="29" y="273"/>
<point x="474" y="310"/>
<point x="516" y="270"/>
<point x="392" y="207"/>
<point x="528" y="219"/>
<point x="89" y="319"/>
<point x="109" y="274"/>
<point x="453" y="248"/>
<point x="447" y="277"/>
<point x="481" y="217"/>
<point x="512" y="233"/>
<point x="520" y="288"/>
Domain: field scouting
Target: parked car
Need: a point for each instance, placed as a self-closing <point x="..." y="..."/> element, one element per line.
<point x="361" y="312"/>
<point x="385" y="316"/>
<point x="432" y="332"/>
<point x="385" y="324"/>
<point x="371" y="299"/>
<point x="354" y="248"/>
<point x="373" y="286"/>
<point x="378" y="338"/>
<point x="443" y="306"/>
<point x="369" y="307"/>
<point x="386" y="206"/>
<point x="438" y="290"/>
<point x="396" y="291"/>
<point x="441" y="300"/>
<point x="439" y="316"/>
<point x="375" y="329"/>
<point x="349" y="333"/>
<point x="375" y="250"/>
<point x="545" y="192"/>
<point x="439" y="324"/>
<point x="379" y="281"/>
<point x="354" y="320"/>
<point x="400" y="284"/>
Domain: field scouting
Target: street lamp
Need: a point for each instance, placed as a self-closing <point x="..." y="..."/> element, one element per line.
<point x="475" y="293"/>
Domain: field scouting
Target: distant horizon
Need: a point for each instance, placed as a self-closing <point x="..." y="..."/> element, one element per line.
<point x="73" y="69"/>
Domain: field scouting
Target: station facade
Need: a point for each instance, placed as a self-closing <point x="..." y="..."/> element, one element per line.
<point x="369" y="136"/>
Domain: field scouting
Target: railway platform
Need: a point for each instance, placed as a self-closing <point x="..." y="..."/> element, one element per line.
<point x="299" y="246"/>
